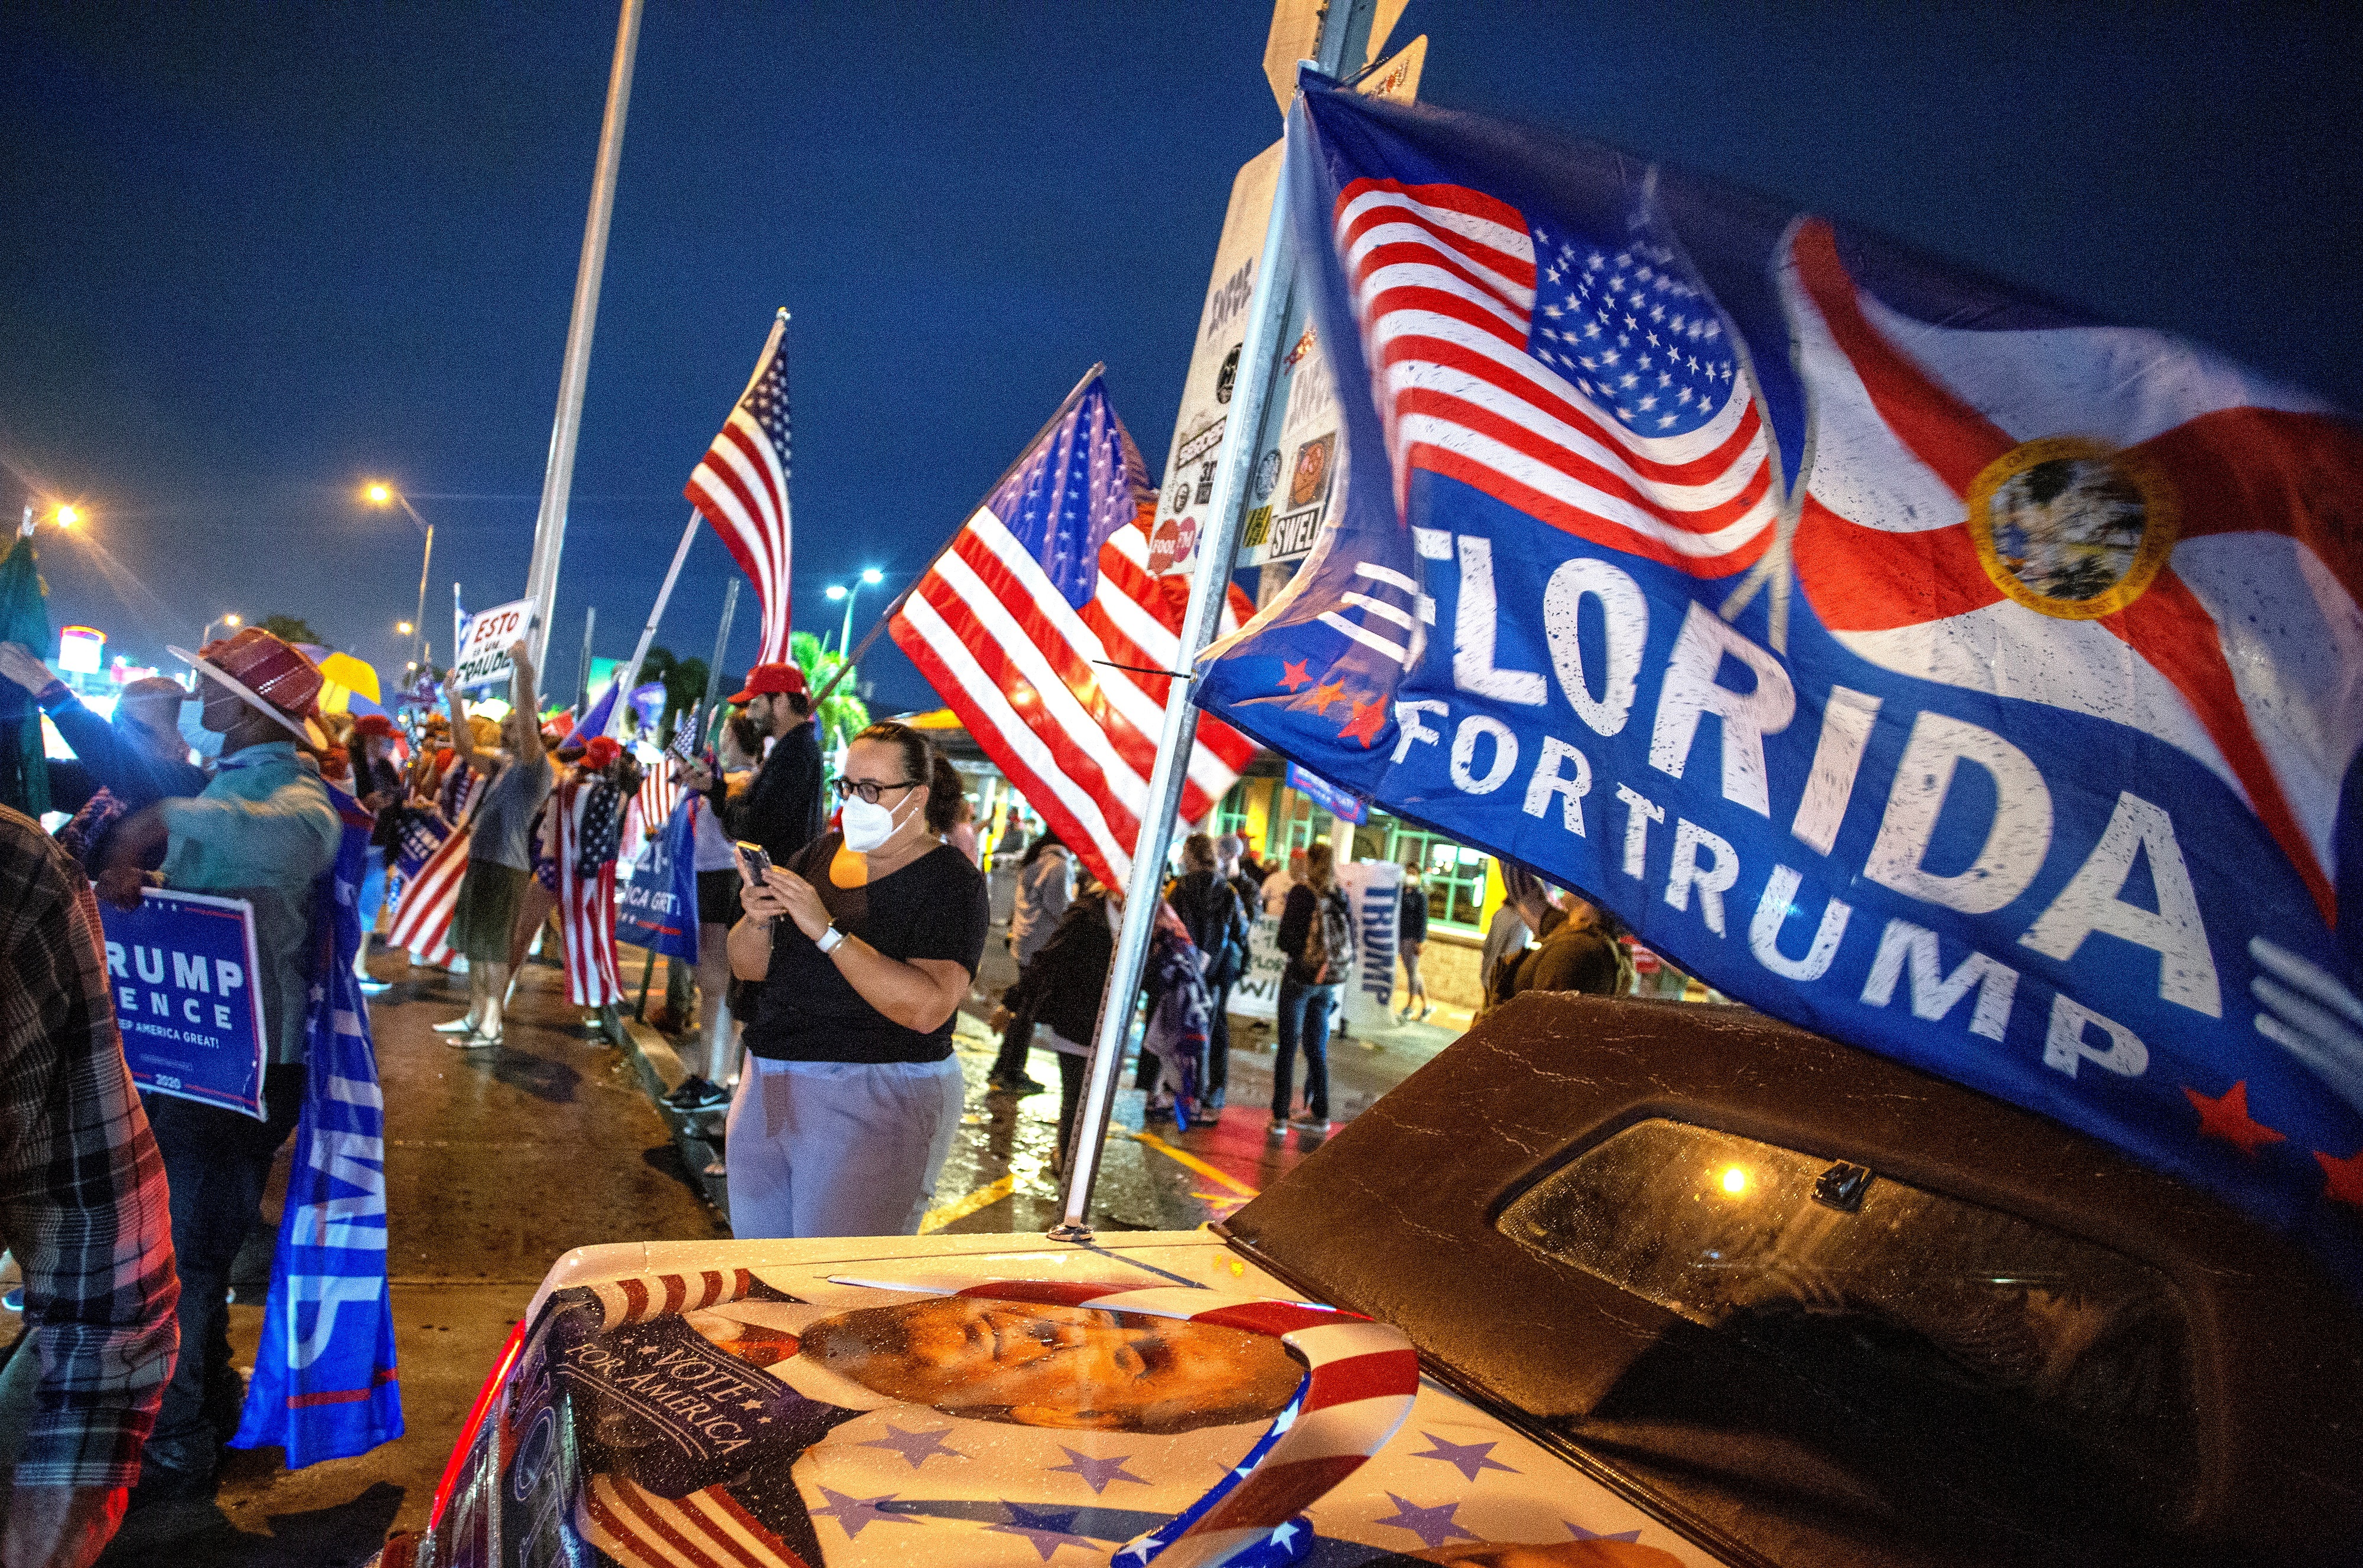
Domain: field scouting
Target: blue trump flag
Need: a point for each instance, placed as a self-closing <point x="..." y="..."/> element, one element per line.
<point x="324" y="1385"/>
<point x="655" y="898"/>
<point x="1913" y="660"/>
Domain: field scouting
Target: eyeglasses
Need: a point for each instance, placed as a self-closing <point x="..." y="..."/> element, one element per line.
<point x="869" y="788"/>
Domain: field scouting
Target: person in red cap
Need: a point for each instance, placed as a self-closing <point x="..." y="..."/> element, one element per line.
<point x="262" y="829"/>
<point x="784" y="811"/>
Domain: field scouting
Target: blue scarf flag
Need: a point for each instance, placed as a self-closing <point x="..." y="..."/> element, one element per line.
<point x="324" y="1384"/>
<point x="1913" y="660"/>
<point x="656" y="897"/>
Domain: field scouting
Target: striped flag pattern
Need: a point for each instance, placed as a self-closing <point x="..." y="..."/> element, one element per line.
<point x="1360" y="1379"/>
<point x="586" y="905"/>
<point x="1594" y="391"/>
<point x="740" y="487"/>
<point x="640" y="1529"/>
<point x="423" y="909"/>
<point x="1044" y="629"/>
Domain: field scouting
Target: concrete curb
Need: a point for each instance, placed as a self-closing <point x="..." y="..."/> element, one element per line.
<point x="660" y="1072"/>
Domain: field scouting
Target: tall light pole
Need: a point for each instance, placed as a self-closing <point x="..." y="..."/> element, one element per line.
<point x="574" y="371"/>
<point x="871" y="577"/>
<point x="383" y="494"/>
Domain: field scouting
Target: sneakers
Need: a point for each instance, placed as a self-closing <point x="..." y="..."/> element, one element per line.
<point x="373" y="986"/>
<point x="697" y="1094"/>
<point x="1305" y="1121"/>
<point x="1277" y="1132"/>
<point x="462" y="1025"/>
<point x="1020" y="1086"/>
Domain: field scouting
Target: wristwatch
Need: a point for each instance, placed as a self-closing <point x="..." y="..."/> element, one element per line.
<point x="830" y="940"/>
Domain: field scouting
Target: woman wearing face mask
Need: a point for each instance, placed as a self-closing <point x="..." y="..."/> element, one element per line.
<point x="859" y="951"/>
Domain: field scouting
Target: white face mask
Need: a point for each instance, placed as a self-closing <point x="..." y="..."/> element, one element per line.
<point x="868" y="826"/>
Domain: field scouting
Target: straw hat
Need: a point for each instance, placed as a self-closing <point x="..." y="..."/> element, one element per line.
<point x="270" y="674"/>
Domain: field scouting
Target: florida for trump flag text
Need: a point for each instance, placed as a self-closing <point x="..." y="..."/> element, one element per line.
<point x="1916" y="662"/>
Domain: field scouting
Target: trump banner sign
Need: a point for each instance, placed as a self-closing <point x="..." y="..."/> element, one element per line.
<point x="1915" y="662"/>
<point x="180" y="967"/>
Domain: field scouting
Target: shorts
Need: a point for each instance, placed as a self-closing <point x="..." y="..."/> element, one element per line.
<point x="717" y="897"/>
<point x="490" y="896"/>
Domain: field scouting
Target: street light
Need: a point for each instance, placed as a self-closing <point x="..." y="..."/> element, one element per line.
<point x="871" y="577"/>
<point x="379" y="493"/>
<point x="402" y="628"/>
<point x="67" y="516"/>
<point x="206" y="635"/>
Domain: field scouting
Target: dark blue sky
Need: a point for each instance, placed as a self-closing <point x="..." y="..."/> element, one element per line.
<point x="248" y="258"/>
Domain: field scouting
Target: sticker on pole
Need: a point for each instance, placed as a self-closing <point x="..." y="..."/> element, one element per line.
<point x="485" y="643"/>
<point x="183" y="970"/>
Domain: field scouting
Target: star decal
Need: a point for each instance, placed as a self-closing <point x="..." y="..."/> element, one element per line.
<point x="1327" y="693"/>
<point x="1292" y="674"/>
<point x="1045" y="1530"/>
<point x="1467" y="1458"/>
<point x="854" y="1514"/>
<point x="1364" y="722"/>
<point x="1432" y="1526"/>
<point x="917" y="1447"/>
<point x="2345" y="1176"/>
<point x="1098" y="1472"/>
<point x="1582" y="1534"/>
<point x="2228" y="1118"/>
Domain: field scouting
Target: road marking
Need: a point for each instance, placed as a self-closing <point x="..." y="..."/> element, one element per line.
<point x="1183" y="1157"/>
<point x="959" y="1209"/>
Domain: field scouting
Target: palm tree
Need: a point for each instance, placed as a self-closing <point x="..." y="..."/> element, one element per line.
<point x="842" y="715"/>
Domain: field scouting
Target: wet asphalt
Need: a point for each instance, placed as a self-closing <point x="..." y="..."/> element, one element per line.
<point x="500" y="1161"/>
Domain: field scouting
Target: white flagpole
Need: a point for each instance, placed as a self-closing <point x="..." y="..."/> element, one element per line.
<point x="575" y="373"/>
<point x="1348" y="24"/>
<point x="649" y="633"/>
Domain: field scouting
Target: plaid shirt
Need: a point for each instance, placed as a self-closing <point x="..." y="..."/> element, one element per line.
<point x="83" y="1201"/>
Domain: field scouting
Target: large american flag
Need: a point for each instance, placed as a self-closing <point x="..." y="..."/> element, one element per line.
<point x="1593" y="388"/>
<point x="1042" y="625"/>
<point x="741" y="488"/>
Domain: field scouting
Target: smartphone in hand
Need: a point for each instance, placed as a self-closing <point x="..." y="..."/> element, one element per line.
<point x="753" y="862"/>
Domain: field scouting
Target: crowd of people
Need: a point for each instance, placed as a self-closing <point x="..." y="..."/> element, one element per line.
<point x="841" y="922"/>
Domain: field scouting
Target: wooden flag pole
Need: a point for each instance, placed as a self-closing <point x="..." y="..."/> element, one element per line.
<point x="938" y="554"/>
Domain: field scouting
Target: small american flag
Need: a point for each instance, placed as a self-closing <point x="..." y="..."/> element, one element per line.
<point x="1044" y="627"/>
<point x="430" y="892"/>
<point x="586" y="901"/>
<point x="740" y="486"/>
<point x="1590" y="386"/>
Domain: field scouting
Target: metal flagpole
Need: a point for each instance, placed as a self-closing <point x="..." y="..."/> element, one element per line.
<point x="558" y="480"/>
<point x="938" y="553"/>
<point x="1209" y="586"/>
<point x="649" y="633"/>
<point x="582" y="671"/>
<point x="713" y="702"/>
<point x="459" y="620"/>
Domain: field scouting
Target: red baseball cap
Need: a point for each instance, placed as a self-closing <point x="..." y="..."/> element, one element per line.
<point x="767" y="680"/>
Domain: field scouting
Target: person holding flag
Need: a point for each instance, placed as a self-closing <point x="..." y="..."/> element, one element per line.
<point x="264" y="830"/>
<point x="586" y="812"/>
<point x="783" y="810"/>
<point x="710" y="781"/>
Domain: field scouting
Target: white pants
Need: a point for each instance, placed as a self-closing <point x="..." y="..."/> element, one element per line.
<point x="839" y="1148"/>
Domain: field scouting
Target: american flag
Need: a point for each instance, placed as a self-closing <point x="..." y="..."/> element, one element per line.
<point x="1593" y="387"/>
<point x="640" y="1529"/>
<point x="433" y="860"/>
<point x="586" y="905"/>
<point x="741" y="488"/>
<point x="1041" y="625"/>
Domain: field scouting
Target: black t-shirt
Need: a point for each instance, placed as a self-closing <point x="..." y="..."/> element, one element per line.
<point x="809" y="1011"/>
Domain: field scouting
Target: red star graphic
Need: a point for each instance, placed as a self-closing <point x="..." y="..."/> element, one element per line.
<point x="2345" y="1176"/>
<point x="1292" y="674"/>
<point x="1327" y="693"/>
<point x="1364" y="725"/>
<point x="2228" y="1118"/>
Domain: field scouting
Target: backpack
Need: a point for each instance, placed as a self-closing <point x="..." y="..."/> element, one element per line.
<point x="1329" y="947"/>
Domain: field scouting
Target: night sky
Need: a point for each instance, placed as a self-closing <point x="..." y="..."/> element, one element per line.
<point x="249" y="260"/>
